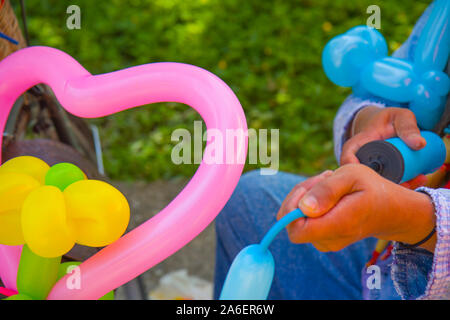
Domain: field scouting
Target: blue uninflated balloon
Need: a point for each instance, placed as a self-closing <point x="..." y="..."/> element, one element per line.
<point x="250" y="275"/>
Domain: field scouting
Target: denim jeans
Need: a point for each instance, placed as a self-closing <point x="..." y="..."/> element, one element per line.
<point x="301" y="271"/>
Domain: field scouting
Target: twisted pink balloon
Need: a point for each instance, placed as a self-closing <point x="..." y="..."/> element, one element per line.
<point x="88" y="96"/>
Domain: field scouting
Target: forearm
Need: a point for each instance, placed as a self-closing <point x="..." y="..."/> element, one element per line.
<point x="414" y="219"/>
<point x="361" y="119"/>
<point x="344" y="117"/>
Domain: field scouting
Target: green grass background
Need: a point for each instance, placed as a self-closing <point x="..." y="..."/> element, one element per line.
<point x="268" y="52"/>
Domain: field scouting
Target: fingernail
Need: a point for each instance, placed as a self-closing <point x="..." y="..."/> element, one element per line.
<point x="420" y="144"/>
<point x="423" y="142"/>
<point x="309" y="203"/>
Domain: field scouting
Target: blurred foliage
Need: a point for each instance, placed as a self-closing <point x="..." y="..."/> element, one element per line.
<point x="268" y="52"/>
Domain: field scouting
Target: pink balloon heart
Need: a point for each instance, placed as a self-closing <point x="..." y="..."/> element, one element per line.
<point x="89" y="96"/>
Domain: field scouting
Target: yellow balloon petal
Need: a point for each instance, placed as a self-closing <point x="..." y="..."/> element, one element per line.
<point x="32" y="166"/>
<point x="44" y="223"/>
<point x="98" y="212"/>
<point x="14" y="188"/>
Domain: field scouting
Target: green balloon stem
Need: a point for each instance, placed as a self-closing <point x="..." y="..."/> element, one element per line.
<point x="36" y="275"/>
<point x="63" y="174"/>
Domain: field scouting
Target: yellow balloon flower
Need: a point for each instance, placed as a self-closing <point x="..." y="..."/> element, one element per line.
<point x="50" y="218"/>
<point x="14" y="188"/>
<point x="98" y="212"/>
<point x="31" y="166"/>
<point x="44" y="223"/>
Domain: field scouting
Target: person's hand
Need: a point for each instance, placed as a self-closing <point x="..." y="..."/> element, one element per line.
<point x="353" y="203"/>
<point x="374" y="123"/>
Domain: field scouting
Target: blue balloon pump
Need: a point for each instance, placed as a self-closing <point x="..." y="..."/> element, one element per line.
<point x="395" y="161"/>
<point x="251" y="273"/>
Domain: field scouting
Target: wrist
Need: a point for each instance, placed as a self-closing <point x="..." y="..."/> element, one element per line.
<point x="362" y="117"/>
<point x="418" y="220"/>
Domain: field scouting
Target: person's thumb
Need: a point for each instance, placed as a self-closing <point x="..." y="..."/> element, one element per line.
<point x="326" y="194"/>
